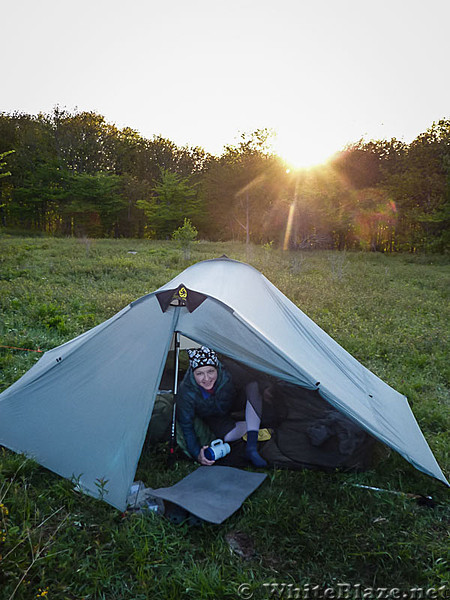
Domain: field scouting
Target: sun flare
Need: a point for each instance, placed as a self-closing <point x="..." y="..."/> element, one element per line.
<point x="303" y="151"/>
<point x="297" y="156"/>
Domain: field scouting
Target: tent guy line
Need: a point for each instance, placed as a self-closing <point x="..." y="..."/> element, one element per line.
<point x="24" y="349"/>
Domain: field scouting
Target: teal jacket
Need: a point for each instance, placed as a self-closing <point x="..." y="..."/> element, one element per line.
<point x="191" y="403"/>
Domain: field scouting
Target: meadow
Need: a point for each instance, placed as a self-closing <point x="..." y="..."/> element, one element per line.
<point x="309" y="531"/>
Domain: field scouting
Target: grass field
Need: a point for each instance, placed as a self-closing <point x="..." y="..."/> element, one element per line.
<point x="307" y="528"/>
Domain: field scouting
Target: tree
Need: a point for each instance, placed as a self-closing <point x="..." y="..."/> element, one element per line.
<point x="132" y="220"/>
<point x="173" y="200"/>
<point x="240" y="187"/>
<point x="3" y="174"/>
<point x="375" y="219"/>
<point x="39" y="196"/>
<point x="84" y="141"/>
<point x="35" y="176"/>
<point x="3" y="163"/>
<point x="95" y="204"/>
<point x="185" y="236"/>
<point x="365" y="164"/>
<point x="420" y="189"/>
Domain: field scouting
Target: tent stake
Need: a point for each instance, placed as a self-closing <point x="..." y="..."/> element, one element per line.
<point x="423" y="500"/>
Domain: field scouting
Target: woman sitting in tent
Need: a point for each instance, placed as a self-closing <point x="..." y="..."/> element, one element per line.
<point x="209" y="391"/>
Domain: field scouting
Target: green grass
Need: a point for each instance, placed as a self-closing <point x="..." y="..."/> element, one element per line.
<point x="390" y="312"/>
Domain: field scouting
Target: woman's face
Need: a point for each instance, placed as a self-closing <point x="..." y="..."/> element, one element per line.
<point x="206" y="377"/>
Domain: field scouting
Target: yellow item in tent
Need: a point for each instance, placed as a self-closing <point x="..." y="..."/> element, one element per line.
<point x="263" y="435"/>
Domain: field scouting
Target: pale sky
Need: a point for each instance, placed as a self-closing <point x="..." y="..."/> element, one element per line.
<point x="321" y="73"/>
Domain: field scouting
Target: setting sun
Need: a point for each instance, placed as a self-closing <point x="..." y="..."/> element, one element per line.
<point x="303" y="150"/>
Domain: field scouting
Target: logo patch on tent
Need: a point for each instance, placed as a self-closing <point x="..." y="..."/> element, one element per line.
<point x="181" y="296"/>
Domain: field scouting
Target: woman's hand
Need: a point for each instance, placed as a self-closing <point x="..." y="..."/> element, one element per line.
<point x="202" y="458"/>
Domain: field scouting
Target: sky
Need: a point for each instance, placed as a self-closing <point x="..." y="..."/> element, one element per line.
<point x="319" y="73"/>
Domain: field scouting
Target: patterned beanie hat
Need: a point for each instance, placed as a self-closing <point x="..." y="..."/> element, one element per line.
<point x="201" y="357"/>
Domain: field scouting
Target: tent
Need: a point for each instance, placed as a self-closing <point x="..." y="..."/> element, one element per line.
<point x="84" y="408"/>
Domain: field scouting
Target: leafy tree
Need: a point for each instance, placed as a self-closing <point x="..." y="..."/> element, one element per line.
<point x="365" y="164"/>
<point x="4" y="194"/>
<point x="132" y="220"/>
<point x="38" y="197"/>
<point x="95" y="204"/>
<point x="33" y="169"/>
<point x="185" y="236"/>
<point x="173" y="200"/>
<point x="375" y="219"/>
<point x="240" y="187"/>
<point x="420" y="189"/>
<point x="359" y="164"/>
<point x="84" y="141"/>
<point x="3" y="164"/>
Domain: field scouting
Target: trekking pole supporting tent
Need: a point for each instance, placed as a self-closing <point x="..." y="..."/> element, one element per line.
<point x="175" y="391"/>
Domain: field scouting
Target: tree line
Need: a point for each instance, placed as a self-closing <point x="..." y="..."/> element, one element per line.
<point x="73" y="173"/>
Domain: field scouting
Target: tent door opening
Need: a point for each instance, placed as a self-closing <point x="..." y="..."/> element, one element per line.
<point x="306" y="431"/>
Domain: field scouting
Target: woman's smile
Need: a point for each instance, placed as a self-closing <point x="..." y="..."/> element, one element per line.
<point x="206" y="377"/>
